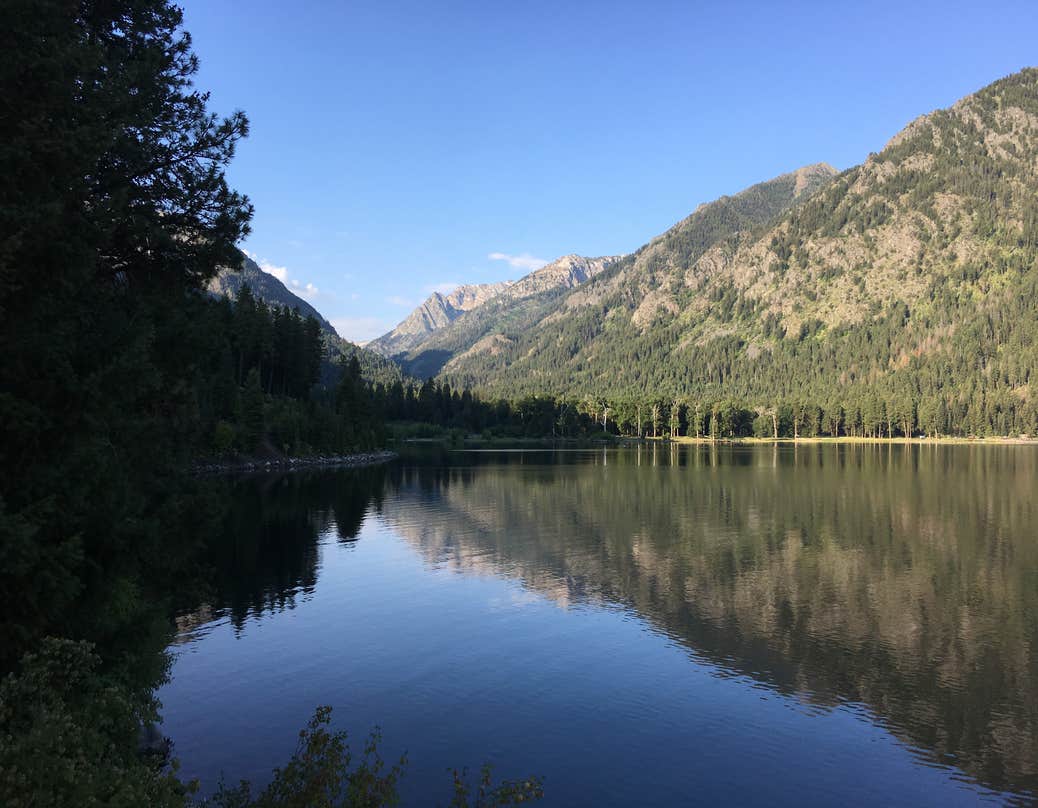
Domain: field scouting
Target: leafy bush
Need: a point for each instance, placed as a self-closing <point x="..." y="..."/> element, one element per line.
<point x="68" y="736"/>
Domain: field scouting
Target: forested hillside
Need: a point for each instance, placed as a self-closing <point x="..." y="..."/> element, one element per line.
<point x="563" y="351"/>
<point x="899" y="298"/>
<point x="230" y="281"/>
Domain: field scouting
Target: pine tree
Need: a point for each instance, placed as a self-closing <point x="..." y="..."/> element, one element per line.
<point x="113" y="191"/>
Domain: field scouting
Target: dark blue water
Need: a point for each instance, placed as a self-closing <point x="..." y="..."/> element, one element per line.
<point x="754" y="626"/>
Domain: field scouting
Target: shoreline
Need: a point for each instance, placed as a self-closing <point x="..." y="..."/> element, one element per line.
<point x="631" y="440"/>
<point x="844" y="439"/>
<point x="282" y="464"/>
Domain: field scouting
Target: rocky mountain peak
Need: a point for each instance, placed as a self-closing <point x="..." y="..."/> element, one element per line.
<point x="807" y="177"/>
<point x="438" y="310"/>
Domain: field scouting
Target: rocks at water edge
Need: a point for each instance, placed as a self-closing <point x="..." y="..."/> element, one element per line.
<point x="291" y="463"/>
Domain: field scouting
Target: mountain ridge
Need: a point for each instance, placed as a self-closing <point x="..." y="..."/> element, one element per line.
<point x="909" y="280"/>
<point x="435" y="312"/>
<point x="228" y="283"/>
<point x="439" y="329"/>
<point x="639" y="281"/>
<point x="900" y="292"/>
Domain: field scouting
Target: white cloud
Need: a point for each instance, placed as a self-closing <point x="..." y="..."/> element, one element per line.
<point x="359" y="329"/>
<point x="281" y="273"/>
<point x="307" y="290"/>
<point x="396" y="300"/>
<point x="444" y="288"/>
<point x="521" y="261"/>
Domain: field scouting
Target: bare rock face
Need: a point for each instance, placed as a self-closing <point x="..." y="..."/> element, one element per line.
<point x="469" y="296"/>
<point x="563" y="273"/>
<point x="437" y="311"/>
<point x="808" y="178"/>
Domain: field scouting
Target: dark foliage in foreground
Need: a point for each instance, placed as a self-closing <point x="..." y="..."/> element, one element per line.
<point x="118" y="372"/>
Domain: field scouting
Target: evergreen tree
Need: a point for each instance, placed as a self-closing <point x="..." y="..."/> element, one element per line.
<point x="113" y="209"/>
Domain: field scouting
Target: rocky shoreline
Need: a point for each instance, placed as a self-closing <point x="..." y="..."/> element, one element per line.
<point x="282" y="464"/>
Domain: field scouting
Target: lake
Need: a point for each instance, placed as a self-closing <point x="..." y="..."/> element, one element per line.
<point x="752" y="625"/>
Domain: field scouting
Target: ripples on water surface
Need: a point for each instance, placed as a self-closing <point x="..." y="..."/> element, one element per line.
<point x="766" y="625"/>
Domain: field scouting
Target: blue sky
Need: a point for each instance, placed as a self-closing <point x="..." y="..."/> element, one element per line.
<point x="398" y="148"/>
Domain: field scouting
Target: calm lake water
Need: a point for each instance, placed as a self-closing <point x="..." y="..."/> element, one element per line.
<point x="763" y="625"/>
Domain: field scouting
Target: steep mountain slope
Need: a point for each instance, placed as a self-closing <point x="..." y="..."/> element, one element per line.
<point x="912" y="276"/>
<point x="631" y="296"/>
<point x="229" y="282"/>
<point x="515" y="308"/>
<point x="437" y="311"/>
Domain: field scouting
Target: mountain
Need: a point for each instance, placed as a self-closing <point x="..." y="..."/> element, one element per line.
<point x="228" y="283"/>
<point x="437" y="311"/>
<point x="911" y="277"/>
<point x="631" y="294"/>
<point x="509" y="305"/>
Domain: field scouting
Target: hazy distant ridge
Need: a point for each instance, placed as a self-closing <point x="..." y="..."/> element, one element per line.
<point x="445" y="325"/>
<point x="437" y="311"/>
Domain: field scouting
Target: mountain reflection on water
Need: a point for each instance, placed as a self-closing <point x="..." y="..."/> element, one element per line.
<point x="901" y="579"/>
